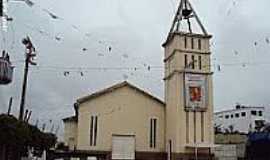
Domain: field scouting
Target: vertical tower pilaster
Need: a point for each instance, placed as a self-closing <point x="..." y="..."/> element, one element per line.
<point x="188" y="85"/>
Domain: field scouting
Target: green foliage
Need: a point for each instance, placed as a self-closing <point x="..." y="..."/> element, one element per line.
<point x="61" y="146"/>
<point x="12" y="131"/>
<point x="20" y="134"/>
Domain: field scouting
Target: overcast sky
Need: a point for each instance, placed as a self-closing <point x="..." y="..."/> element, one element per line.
<point x="135" y="31"/>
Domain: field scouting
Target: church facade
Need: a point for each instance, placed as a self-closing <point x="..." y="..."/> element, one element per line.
<point x="125" y="122"/>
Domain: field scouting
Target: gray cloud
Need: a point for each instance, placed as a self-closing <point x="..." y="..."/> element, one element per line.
<point x="137" y="29"/>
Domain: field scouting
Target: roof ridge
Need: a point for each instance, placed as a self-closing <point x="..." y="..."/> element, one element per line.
<point x="113" y="87"/>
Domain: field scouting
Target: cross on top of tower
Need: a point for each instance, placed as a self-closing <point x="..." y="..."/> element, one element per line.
<point x="187" y="21"/>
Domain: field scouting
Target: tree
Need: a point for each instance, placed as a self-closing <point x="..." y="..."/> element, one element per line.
<point x="16" y="136"/>
<point x="217" y="129"/>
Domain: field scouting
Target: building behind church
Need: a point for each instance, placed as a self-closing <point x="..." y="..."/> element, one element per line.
<point x="242" y="119"/>
<point x="126" y="122"/>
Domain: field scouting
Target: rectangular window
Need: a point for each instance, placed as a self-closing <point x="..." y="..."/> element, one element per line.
<point x="227" y="116"/>
<point x="243" y="114"/>
<point x="236" y="115"/>
<point x="185" y="39"/>
<point x="260" y="113"/>
<point x="192" y="43"/>
<point x="231" y="115"/>
<point x="186" y="61"/>
<point x="193" y="62"/>
<point x="199" y="44"/>
<point x="93" y="130"/>
<point x="153" y="132"/>
<point x="200" y="62"/>
<point x="254" y="113"/>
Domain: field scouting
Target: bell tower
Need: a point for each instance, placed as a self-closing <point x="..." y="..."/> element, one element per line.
<point x="188" y="87"/>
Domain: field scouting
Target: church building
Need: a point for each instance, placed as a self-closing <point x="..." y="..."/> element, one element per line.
<point x="125" y="122"/>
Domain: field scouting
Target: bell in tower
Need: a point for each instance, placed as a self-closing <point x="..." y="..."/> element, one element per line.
<point x="188" y="87"/>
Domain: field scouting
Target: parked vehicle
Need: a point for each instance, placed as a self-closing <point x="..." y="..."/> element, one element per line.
<point x="258" y="145"/>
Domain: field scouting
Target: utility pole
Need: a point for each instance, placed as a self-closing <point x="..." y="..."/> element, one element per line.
<point x="9" y="105"/>
<point x="1" y="8"/>
<point x="25" y="115"/>
<point x="36" y="124"/>
<point x="28" y="117"/>
<point x="4" y="18"/>
<point x="43" y="127"/>
<point x="29" y="56"/>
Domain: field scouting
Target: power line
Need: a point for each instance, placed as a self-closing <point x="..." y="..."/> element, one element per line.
<point x="56" y="17"/>
<point x="135" y="68"/>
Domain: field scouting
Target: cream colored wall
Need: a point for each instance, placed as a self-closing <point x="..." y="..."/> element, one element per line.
<point x="176" y="129"/>
<point x="177" y="43"/>
<point x="208" y="118"/>
<point x="70" y="132"/>
<point x="173" y="45"/>
<point x="175" y="52"/>
<point x="175" y="114"/>
<point x="124" y="112"/>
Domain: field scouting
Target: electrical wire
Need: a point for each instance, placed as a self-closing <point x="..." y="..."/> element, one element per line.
<point x="114" y="47"/>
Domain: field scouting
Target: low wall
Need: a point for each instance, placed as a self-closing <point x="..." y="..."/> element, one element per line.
<point x="226" y="152"/>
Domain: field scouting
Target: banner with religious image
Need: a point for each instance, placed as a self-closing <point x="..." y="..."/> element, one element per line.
<point x="195" y="91"/>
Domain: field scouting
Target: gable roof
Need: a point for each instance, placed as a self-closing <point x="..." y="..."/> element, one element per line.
<point x="115" y="87"/>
